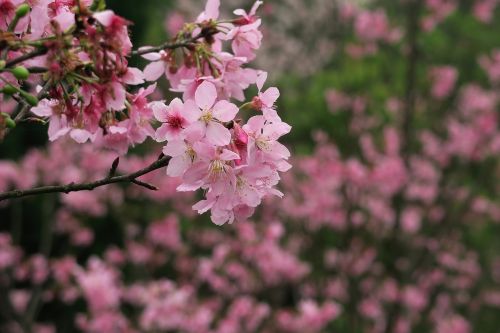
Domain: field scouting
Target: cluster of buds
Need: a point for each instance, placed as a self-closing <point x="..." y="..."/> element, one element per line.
<point x="76" y="54"/>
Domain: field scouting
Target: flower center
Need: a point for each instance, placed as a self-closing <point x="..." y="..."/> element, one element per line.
<point x="175" y="121"/>
<point x="207" y="116"/>
<point x="191" y="153"/>
<point x="262" y="144"/>
<point x="257" y="103"/>
<point x="216" y="170"/>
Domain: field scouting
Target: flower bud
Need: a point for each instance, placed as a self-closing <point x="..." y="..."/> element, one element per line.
<point x="21" y="73"/>
<point x="32" y="100"/>
<point x="22" y="10"/>
<point x="7" y="120"/>
<point x="9" y="89"/>
<point x="9" y="123"/>
<point x="2" y="64"/>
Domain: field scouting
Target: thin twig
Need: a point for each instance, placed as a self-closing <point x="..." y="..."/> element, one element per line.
<point x="27" y="107"/>
<point x="169" y="45"/>
<point x="72" y="187"/>
<point x="36" y="53"/>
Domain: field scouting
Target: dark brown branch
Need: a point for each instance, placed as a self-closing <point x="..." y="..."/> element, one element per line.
<point x="410" y="98"/>
<point x="169" y="45"/>
<point x="414" y="9"/>
<point x="72" y="187"/>
<point x="162" y="47"/>
<point x="36" y="53"/>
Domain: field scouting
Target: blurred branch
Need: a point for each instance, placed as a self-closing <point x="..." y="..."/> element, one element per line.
<point x="36" y="53"/>
<point x="414" y="8"/>
<point x="45" y="247"/>
<point x="72" y="187"/>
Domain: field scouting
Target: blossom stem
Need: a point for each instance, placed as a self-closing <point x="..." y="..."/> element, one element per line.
<point x="72" y="187"/>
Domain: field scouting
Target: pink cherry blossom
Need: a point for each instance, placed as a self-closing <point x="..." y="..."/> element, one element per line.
<point x="212" y="114"/>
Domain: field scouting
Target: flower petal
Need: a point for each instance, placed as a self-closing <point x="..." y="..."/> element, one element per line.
<point x="154" y="70"/>
<point x="225" y="111"/>
<point x="217" y="134"/>
<point x="205" y="95"/>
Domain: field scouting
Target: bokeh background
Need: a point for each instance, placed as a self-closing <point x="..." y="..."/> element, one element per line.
<point x="390" y="221"/>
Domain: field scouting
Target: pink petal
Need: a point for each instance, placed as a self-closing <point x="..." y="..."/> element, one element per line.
<point x="164" y="132"/>
<point x="220" y="217"/>
<point x="115" y="100"/>
<point x="175" y="148"/>
<point x="254" y="124"/>
<point x="205" y="95"/>
<point x="43" y="109"/>
<point x="104" y="17"/>
<point x="79" y="135"/>
<point x="190" y="111"/>
<point x="177" y="166"/>
<point x="65" y="20"/>
<point x="154" y="70"/>
<point x="195" y="131"/>
<point x="279" y="150"/>
<point x="57" y="128"/>
<point x="228" y="155"/>
<point x="176" y="106"/>
<point x="134" y="76"/>
<point x="193" y="177"/>
<point x="255" y="6"/>
<point x="271" y="114"/>
<point x="152" y="56"/>
<point x="240" y="12"/>
<point x="203" y="206"/>
<point x="117" y="130"/>
<point x="261" y="79"/>
<point x="204" y="150"/>
<point x="249" y="196"/>
<point x="217" y="134"/>
<point x="212" y="9"/>
<point x="270" y="96"/>
<point x="225" y="111"/>
<point x="159" y="111"/>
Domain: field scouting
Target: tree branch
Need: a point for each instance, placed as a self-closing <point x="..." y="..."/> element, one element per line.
<point x="36" y="53"/>
<point x="72" y="187"/>
<point x="169" y="45"/>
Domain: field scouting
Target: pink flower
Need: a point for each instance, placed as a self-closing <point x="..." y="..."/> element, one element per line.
<point x="211" y="11"/>
<point x="484" y="9"/>
<point x="98" y="284"/>
<point x="247" y="18"/>
<point x="211" y="114"/>
<point x="183" y="155"/>
<point x="264" y="101"/>
<point x="263" y="138"/>
<point x="58" y="123"/>
<point x="211" y="169"/>
<point x="116" y="30"/>
<point x="175" y="118"/>
<point x="245" y="39"/>
<point x="444" y="79"/>
<point x="159" y="64"/>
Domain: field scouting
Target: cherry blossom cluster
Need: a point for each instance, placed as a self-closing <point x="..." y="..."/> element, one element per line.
<point x="79" y="55"/>
<point x="237" y="164"/>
